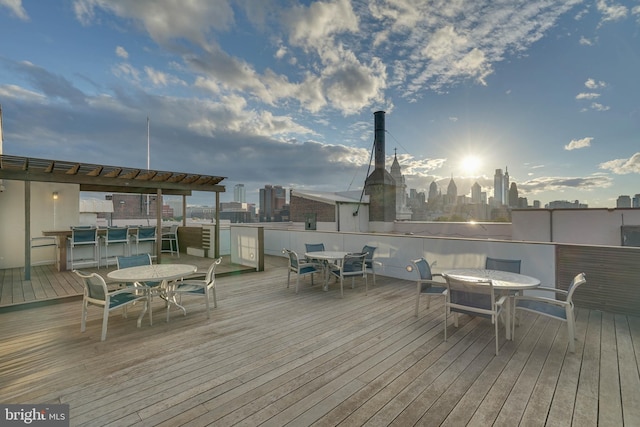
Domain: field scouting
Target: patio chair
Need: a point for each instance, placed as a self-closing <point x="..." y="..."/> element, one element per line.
<point x="353" y="266"/>
<point x="315" y="247"/>
<point x="135" y="261"/>
<point x="145" y="234"/>
<point x="195" y="287"/>
<point x="426" y="284"/>
<point x="510" y="265"/>
<point x="84" y="236"/>
<point x="96" y="293"/>
<point x="301" y="268"/>
<point x="171" y="237"/>
<point x="115" y="236"/>
<point x="552" y="307"/>
<point x="369" y="262"/>
<point x="475" y="298"/>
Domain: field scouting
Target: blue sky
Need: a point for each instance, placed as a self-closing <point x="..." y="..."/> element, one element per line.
<point x="283" y="92"/>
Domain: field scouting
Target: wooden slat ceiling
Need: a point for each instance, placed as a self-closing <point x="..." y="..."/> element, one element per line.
<point x="116" y="179"/>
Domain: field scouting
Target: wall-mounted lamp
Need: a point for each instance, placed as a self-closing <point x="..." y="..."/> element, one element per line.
<point x="55" y="195"/>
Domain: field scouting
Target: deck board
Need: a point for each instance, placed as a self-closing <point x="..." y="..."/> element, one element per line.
<point x="269" y="356"/>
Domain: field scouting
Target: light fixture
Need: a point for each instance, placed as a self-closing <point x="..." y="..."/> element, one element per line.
<point x="55" y="195"/>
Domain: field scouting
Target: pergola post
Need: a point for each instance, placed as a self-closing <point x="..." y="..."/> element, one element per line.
<point x="27" y="230"/>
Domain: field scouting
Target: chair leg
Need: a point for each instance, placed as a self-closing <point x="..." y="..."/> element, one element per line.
<point x="206" y="295"/>
<point x="105" y="320"/>
<point x="83" y="321"/>
<point x="215" y="299"/>
<point x="288" y="278"/>
<point x="497" y="346"/>
<point x="445" y="322"/>
<point x="571" y="330"/>
<point x="417" y="298"/>
<point x="341" y="287"/>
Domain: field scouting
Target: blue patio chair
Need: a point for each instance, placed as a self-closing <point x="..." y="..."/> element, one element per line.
<point x="145" y="234"/>
<point x="426" y="284"/>
<point x="510" y="265"/>
<point x="314" y="247"/>
<point x="301" y="268"/>
<point x="551" y="307"/>
<point x="83" y="237"/>
<point x="171" y="237"/>
<point x="369" y="262"/>
<point x="195" y="287"/>
<point x="134" y="261"/>
<point x="115" y="236"/>
<point x="96" y="293"/>
<point x="475" y="298"/>
<point x="353" y="266"/>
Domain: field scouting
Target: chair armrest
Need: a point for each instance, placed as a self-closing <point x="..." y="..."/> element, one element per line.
<point x="501" y="300"/>
<point x="548" y="289"/>
<point x="126" y="290"/>
<point x="541" y="299"/>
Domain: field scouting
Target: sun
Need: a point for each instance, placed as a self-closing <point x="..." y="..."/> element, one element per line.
<point x="470" y="164"/>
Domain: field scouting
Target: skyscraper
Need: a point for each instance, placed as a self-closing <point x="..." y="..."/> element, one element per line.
<point x="272" y="200"/>
<point x="498" y="187"/>
<point x="239" y="194"/>
<point x="505" y="187"/>
<point x="476" y="193"/>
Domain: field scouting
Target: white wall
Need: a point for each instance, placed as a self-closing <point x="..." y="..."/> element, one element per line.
<point x="395" y="252"/>
<point x="472" y="230"/>
<point x="580" y="226"/>
<point x="246" y="245"/>
<point x="46" y="214"/>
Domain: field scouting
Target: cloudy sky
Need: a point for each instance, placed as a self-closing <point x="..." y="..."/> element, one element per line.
<point x="283" y="92"/>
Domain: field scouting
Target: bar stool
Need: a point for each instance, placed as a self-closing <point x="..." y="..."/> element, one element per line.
<point x="115" y="236"/>
<point x="145" y="234"/>
<point x="84" y="236"/>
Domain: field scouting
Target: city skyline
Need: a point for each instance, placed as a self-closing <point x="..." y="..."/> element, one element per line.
<point x="283" y="93"/>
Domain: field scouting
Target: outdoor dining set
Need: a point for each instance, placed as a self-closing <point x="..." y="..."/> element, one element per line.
<point x="496" y="291"/>
<point x="138" y="280"/>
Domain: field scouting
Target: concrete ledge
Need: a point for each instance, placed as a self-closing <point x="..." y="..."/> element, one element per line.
<point x="196" y="252"/>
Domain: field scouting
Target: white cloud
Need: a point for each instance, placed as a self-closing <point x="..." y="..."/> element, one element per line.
<point x="315" y="25"/>
<point x="17" y="92"/>
<point x="160" y="78"/>
<point x="592" y="84"/>
<point x="623" y="166"/>
<point x="576" y="144"/>
<point x="589" y="95"/>
<point x="443" y="42"/>
<point x="15" y="6"/>
<point x="165" y="20"/>
<point x="611" y="12"/>
<point x="585" y="41"/>
<point x="122" y="52"/>
<point x="599" y="107"/>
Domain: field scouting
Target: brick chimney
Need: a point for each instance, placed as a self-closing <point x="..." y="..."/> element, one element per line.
<point x="380" y="185"/>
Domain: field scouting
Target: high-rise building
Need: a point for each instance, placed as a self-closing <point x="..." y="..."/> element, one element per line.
<point x="498" y="188"/>
<point x="402" y="210"/>
<point x="513" y="195"/>
<point x="452" y="192"/>
<point x="623" y="202"/>
<point x="272" y="201"/>
<point x="635" y="203"/>
<point x="505" y="188"/>
<point x="239" y="194"/>
<point x="433" y="192"/>
<point x="476" y="193"/>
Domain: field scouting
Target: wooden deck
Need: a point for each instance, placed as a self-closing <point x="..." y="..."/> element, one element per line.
<point x="270" y="357"/>
<point x="47" y="284"/>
